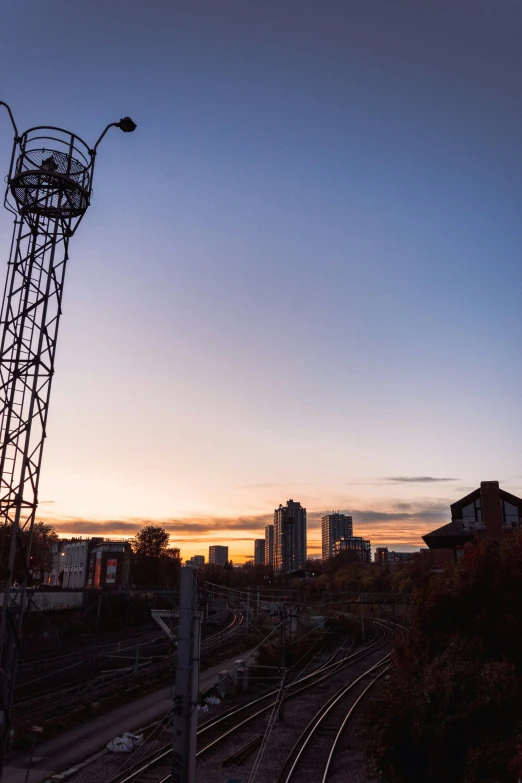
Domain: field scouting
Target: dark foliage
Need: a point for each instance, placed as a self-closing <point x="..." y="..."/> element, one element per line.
<point x="30" y="564"/>
<point x="452" y="708"/>
<point x="44" y="536"/>
<point x="248" y="575"/>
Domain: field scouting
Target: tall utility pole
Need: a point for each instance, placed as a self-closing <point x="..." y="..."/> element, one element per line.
<point x="49" y="189"/>
<point x="187" y="680"/>
<point x="282" y="659"/>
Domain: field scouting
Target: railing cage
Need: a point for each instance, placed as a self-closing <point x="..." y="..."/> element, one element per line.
<point x="51" y="174"/>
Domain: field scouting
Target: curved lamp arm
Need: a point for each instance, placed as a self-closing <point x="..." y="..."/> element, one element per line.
<point x="125" y="124"/>
<point x="11" y="117"/>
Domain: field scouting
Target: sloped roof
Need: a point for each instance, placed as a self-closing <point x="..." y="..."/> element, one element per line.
<point x="448" y="535"/>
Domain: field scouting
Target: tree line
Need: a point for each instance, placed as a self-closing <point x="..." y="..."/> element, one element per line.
<point x="156" y="563"/>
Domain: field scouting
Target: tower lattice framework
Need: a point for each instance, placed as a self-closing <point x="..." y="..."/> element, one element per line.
<point x="49" y="190"/>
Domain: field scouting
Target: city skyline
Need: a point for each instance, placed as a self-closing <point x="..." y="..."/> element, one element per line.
<point x="298" y="278"/>
<point x="395" y="523"/>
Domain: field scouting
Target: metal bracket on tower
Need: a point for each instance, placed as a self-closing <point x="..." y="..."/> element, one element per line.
<point x="158" y="615"/>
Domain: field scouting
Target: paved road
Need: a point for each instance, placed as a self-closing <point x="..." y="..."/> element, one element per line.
<point x="81" y="742"/>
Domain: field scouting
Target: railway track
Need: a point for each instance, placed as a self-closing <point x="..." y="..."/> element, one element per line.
<point x="313" y="754"/>
<point x="155" y="767"/>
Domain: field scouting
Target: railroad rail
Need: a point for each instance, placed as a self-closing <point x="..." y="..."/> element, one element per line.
<point x="155" y="767"/>
<point x="313" y="753"/>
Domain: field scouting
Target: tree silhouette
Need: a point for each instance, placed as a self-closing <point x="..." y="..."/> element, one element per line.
<point x="154" y="563"/>
<point x="151" y="541"/>
<point x="44" y="536"/>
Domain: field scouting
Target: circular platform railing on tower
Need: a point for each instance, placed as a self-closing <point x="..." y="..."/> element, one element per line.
<point x="52" y="174"/>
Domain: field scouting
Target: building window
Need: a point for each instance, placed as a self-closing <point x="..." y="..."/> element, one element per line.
<point x="509" y="514"/>
<point x="472" y="515"/>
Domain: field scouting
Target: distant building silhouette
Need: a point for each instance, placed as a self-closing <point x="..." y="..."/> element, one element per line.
<point x="196" y="560"/>
<point x="486" y="512"/>
<point x="218" y="555"/>
<point x="269" y="545"/>
<point x="381" y="555"/>
<point x="385" y="557"/>
<point x="289" y="537"/>
<point x="333" y="527"/>
<point x="259" y="551"/>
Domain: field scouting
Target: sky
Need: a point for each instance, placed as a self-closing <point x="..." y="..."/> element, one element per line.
<point x="299" y="278"/>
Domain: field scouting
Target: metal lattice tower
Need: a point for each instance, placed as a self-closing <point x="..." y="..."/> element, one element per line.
<point x="49" y="189"/>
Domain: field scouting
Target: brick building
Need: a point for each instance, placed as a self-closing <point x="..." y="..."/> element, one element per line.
<point x="487" y="512"/>
<point x="109" y="564"/>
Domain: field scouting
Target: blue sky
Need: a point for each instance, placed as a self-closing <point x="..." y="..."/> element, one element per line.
<point x="299" y="277"/>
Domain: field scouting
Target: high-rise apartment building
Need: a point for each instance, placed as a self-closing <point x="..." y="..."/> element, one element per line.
<point x="333" y="527"/>
<point x="259" y="551"/>
<point x="269" y="545"/>
<point x="289" y="537"/>
<point x="218" y="555"/>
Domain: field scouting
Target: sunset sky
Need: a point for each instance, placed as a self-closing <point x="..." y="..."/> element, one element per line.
<point x="299" y="278"/>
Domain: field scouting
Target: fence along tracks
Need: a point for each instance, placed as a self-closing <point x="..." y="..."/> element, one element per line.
<point x="38" y="706"/>
<point x="214" y="731"/>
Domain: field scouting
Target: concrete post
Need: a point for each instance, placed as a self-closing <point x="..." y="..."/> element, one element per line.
<point x="187" y="681"/>
<point x="223" y="683"/>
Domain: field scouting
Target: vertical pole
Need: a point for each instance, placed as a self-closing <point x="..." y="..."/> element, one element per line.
<point x="282" y="659"/>
<point x="248" y="611"/>
<point x="257" y="609"/>
<point x="30" y="764"/>
<point x="187" y="681"/>
<point x="98" y="612"/>
<point x="362" y="623"/>
<point x="393" y="618"/>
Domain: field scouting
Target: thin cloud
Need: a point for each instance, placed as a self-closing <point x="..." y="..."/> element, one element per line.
<point x="422" y="514"/>
<point x="286" y="485"/>
<point x="180" y="526"/>
<point x="417" y="479"/>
